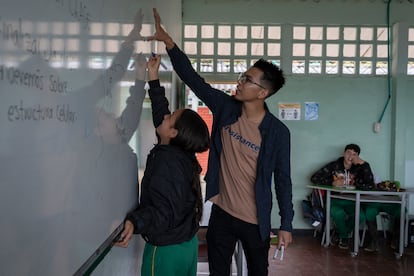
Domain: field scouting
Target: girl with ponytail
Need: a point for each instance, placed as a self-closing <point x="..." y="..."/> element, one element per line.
<point x="171" y="204"/>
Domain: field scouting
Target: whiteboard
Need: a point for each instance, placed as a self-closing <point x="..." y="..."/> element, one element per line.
<point x="65" y="182"/>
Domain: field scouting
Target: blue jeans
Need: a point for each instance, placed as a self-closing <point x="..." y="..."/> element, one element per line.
<point x="223" y="232"/>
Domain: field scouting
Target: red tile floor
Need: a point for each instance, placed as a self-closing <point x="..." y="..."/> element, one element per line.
<point x="305" y="256"/>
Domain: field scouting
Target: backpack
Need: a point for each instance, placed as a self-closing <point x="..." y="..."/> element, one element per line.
<point x="313" y="209"/>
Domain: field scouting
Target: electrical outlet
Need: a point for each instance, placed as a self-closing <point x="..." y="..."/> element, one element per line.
<point x="377" y="127"/>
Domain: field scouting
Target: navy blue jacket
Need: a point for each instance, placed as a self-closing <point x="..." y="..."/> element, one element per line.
<point x="274" y="155"/>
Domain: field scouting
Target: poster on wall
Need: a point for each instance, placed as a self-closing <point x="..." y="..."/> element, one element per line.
<point x="289" y="111"/>
<point x="311" y="111"/>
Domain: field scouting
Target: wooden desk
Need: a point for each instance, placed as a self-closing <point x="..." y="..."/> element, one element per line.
<point x="364" y="196"/>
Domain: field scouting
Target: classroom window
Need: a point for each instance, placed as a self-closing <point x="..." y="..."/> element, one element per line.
<point x="193" y="102"/>
<point x="307" y="49"/>
<point x="207" y="31"/>
<point x="410" y="58"/>
<point x="223" y="65"/>
<point x="190" y="48"/>
<point x="224" y="32"/>
<point x="240" y="66"/>
<point x="343" y="50"/>
<point x="230" y="48"/>
<point x="207" y="48"/>
<point x="206" y="65"/>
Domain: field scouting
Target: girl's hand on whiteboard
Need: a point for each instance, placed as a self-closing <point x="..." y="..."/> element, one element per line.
<point x="126" y="234"/>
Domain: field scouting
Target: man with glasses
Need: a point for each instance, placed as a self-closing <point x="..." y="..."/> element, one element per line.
<point x="243" y="78"/>
<point x="249" y="145"/>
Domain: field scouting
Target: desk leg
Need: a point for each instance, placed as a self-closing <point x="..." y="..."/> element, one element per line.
<point x="328" y="219"/>
<point x="407" y="219"/>
<point x="402" y="226"/>
<point x="356" y="229"/>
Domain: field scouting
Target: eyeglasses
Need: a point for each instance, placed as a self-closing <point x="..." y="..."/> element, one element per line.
<point x="243" y="79"/>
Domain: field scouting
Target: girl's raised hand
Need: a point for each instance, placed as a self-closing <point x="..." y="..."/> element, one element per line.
<point x="153" y="66"/>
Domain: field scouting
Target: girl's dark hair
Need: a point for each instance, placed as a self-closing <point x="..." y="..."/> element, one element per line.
<point x="192" y="137"/>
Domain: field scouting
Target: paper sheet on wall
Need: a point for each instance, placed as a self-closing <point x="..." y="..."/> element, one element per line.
<point x="289" y="111"/>
<point x="311" y="111"/>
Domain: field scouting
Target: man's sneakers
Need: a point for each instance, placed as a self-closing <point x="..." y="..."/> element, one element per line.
<point x="343" y="243"/>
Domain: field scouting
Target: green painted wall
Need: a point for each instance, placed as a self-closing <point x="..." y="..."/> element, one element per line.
<point x="348" y="108"/>
<point x="296" y="11"/>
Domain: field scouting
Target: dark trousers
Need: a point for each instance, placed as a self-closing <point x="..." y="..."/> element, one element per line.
<point x="223" y="232"/>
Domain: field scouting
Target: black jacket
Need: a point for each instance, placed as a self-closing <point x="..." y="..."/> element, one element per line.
<point x="362" y="173"/>
<point x="166" y="213"/>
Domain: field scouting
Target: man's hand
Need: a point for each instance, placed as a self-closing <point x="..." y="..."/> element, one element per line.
<point x="356" y="160"/>
<point x="160" y="34"/>
<point x="284" y="238"/>
<point x="338" y="181"/>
